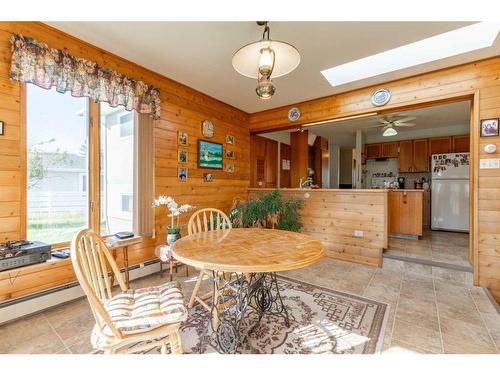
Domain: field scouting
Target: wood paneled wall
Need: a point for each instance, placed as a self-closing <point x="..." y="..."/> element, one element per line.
<point x="332" y="216"/>
<point x="182" y="108"/>
<point x="478" y="81"/>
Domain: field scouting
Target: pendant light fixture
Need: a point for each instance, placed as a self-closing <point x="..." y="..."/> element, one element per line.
<point x="389" y="132"/>
<point x="265" y="58"/>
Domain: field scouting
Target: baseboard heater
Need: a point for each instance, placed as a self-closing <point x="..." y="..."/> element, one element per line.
<point x="36" y="302"/>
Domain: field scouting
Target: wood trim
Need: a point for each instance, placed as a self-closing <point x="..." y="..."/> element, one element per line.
<point x="23" y="158"/>
<point x="474" y="184"/>
<point x="94" y="166"/>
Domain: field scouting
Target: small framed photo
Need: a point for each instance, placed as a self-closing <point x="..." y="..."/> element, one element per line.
<point x="183" y="174"/>
<point x="182" y="156"/>
<point x="182" y="138"/>
<point x="230" y="139"/>
<point x="230" y="168"/>
<point x="489" y="127"/>
<point x="230" y="154"/>
<point x="1" y="127"/>
<point x="208" y="177"/>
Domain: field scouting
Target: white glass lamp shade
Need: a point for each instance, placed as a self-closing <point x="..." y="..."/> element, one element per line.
<point x="389" y="132"/>
<point x="248" y="59"/>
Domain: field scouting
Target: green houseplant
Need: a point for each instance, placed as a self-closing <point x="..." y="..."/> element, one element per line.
<point x="272" y="210"/>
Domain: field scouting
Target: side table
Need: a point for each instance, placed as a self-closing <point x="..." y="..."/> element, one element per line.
<point x="164" y="253"/>
<point x="113" y="244"/>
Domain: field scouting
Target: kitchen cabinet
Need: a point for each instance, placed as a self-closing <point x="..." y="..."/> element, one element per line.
<point x="461" y="143"/>
<point x="405" y="161"/>
<point x="426" y="210"/>
<point x="264" y="162"/>
<point x="420" y="155"/>
<point x="373" y="150"/>
<point x="405" y="212"/>
<point x="390" y="150"/>
<point x="440" y="145"/>
<point x="413" y="156"/>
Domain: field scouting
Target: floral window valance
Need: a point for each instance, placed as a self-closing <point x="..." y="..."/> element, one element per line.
<point x="36" y="63"/>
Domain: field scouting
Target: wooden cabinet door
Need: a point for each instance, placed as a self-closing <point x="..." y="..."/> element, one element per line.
<point x="390" y="149"/>
<point x="420" y="155"/>
<point x="410" y="211"/>
<point x="373" y="150"/>
<point x="461" y="143"/>
<point x="405" y="161"/>
<point x="440" y="145"/>
<point x="394" y="215"/>
<point x="271" y="164"/>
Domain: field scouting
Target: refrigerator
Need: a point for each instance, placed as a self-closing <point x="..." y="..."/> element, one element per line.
<point x="450" y="192"/>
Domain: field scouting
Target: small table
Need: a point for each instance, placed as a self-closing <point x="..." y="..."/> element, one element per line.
<point x="113" y="243"/>
<point x="244" y="263"/>
<point x="164" y="253"/>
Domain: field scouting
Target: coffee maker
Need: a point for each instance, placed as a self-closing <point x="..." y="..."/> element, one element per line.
<point x="401" y="182"/>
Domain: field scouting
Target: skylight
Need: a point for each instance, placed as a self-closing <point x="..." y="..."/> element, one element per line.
<point x="452" y="43"/>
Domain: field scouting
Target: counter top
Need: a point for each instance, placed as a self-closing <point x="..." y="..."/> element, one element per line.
<point x="346" y="191"/>
<point x="407" y="190"/>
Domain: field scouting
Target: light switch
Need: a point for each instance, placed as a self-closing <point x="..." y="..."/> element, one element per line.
<point x="358" y="233"/>
<point x="489" y="163"/>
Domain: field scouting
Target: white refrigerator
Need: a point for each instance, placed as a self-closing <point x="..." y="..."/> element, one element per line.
<point x="450" y="192"/>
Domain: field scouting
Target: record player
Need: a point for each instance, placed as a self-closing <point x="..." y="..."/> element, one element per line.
<point x="15" y="254"/>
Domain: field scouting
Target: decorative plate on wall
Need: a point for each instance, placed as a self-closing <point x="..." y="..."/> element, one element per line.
<point x="381" y="97"/>
<point x="207" y="129"/>
<point x="294" y="114"/>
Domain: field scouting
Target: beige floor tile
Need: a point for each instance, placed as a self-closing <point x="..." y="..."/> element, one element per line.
<point x="483" y="303"/>
<point x="417" y="270"/>
<point x="448" y="275"/>
<point x="460" y="337"/>
<point x="398" y="348"/>
<point x="417" y="336"/>
<point x="22" y="331"/>
<point x="47" y="343"/>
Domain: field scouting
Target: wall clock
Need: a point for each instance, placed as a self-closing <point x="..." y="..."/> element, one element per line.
<point x="294" y="114"/>
<point x="207" y="129"/>
<point x="381" y="97"/>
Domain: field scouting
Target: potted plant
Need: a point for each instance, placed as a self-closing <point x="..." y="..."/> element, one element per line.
<point x="174" y="229"/>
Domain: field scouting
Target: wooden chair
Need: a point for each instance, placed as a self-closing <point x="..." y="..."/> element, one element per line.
<point x="132" y="320"/>
<point x="205" y="220"/>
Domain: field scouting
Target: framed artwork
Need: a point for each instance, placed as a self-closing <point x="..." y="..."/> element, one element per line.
<point x="207" y="129"/>
<point x="230" y="168"/>
<point x="183" y="174"/>
<point x="182" y="138"/>
<point x="489" y="127"/>
<point x="1" y="127"/>
<point x="230" y="154"/>
<point x="182" y="156"/>
<point x="208" y="177"/>
<point x="230" y="139"/>
<point x="209" y="154"/>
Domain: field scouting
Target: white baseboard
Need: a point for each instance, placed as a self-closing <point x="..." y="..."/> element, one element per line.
<point x="27" y="306"/>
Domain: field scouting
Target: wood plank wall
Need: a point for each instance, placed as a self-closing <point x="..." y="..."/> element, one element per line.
<point x="480" y="80"/>
<point x="182" y="108"/>
<point x="332" y="216"/>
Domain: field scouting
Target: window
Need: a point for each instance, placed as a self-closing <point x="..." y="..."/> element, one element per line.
<point x="117" y="160"/>
<point x="57" y="165"/>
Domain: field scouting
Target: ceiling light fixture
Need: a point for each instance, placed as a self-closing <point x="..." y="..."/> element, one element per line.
<point x="264" y="58"/>
<point x="452" y="43"/>
<point x="389" y="132"/>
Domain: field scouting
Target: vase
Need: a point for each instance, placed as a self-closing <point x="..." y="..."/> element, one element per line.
<point x="172" y="237"/>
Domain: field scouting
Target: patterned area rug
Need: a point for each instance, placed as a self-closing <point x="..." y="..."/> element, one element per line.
<point x="321" y="321"/>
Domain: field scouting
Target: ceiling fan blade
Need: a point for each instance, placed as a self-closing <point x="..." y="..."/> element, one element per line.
<point x="383" y="121"/>
<point x="405" y="124"/>
<point x="404" y="119"/>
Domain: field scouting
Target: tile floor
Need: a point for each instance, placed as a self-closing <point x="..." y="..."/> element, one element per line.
<point x="437" y="246"/>
<point x="432" y="310"/>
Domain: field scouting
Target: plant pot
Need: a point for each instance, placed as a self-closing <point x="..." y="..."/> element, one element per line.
<point x="172" y="237"/>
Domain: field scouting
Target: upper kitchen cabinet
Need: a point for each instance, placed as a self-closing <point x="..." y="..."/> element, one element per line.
<point x="405" y="161"/>
<point x="420" y="155"/>
<point x="413" y="156"/>
<point x="440" y="145"/>
<point x="390" y="149"/>
<point x="373" y="150"/>
<point x="461" y="143"/>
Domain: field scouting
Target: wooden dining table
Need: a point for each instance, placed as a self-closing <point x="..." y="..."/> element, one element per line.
<point x="244" y="262"/>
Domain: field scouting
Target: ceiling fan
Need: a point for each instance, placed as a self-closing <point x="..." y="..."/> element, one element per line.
<point x="389" y="124"/>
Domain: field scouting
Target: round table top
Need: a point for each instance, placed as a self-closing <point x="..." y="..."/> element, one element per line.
<point x="248" y="250"/>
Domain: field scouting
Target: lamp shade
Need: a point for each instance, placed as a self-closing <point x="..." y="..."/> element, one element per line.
<point x="389" y="132"/>
<point x="247" y="59"/>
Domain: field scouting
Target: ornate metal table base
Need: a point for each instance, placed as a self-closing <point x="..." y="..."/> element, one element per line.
<point x="234" y="294"/>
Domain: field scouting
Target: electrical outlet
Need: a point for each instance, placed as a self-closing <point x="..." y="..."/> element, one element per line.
<point x="358" y="233"/>
<point x="141" y="265"/>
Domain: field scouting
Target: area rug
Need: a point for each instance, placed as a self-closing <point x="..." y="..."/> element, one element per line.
<point x="322" y="321"/>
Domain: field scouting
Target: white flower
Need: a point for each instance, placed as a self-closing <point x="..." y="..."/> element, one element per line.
<point x="172" y="205"/>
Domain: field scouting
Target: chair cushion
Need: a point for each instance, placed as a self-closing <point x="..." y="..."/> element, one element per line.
<point x="144" y="309"/>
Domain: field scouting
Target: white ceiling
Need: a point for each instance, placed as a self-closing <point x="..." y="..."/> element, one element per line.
<point x="198" y="54"/>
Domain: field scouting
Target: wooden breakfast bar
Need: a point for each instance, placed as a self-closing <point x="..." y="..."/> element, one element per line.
<point x="352" y="224"/>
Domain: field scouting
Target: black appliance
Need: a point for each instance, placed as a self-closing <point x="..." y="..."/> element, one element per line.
<point x="401" y="182"/>
<point x="15" y="254"/>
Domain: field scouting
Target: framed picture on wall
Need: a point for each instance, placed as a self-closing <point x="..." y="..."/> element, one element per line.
<point x="230" y="154"/>
<point x="230" y="139"/>
<point x="182" y="156"/>
<point x="209" y="154"/>
<point x="230" y="168"/>
<point x="182" y="138"/>
<point x="489" y="127"/>
<point x="183" y="174"/>
<point x="208" y="177"/>
<point x="1" y="127"/>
